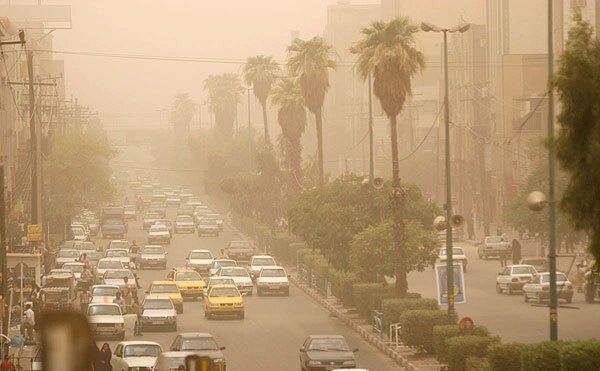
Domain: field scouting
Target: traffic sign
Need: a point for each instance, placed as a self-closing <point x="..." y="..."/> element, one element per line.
<point x="34" y="232"/>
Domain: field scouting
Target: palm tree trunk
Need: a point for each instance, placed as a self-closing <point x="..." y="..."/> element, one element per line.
<point x="265" y="122"/>
<point x="319" y="124"/>
<point x="397" y="213"/>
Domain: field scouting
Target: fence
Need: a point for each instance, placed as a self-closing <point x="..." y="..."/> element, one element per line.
<point x="308" y="276"/>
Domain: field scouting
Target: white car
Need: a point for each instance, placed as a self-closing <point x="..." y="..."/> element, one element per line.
<point x="272" y="279"/>
<point x="106" y="319"/>
<point x="135" y="355"/>
<point x="257" y="262"/>
<point x="159" y="234"/>
<point x="458" y="255"/>
<point x="104" y="293"/>
<point x="207" y="226"/>
<point x="184" y="223"/>
<point x="194" y="201"/>
<point x="538" y="288"/>
<point x="158" y="311"/>
<point x="117" y="277"/>
<point x="129" y="212"/>
<point x="67" y="256"/>
<point x="240" y="276"/>
<point x="75" y="267"/>
<point x="199" y="260"/>
<point x="121" y="255"/>
<point x="216" y="217"/>
<point x="172" y="200"/>
<point x="513" y="277"/>
<point x="153" y="256"/>
<point x="221" y="263"/>
<point x="218" y="280"/>
<point x="119" y="244"/>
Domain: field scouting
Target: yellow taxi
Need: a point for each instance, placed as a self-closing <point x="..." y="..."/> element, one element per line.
<point x="189" y="281"/>
<point x="168" y="289"/>
<point x="223" y="300"/>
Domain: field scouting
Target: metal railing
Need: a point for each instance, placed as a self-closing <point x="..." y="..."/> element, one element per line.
<point x="395" y="334"/>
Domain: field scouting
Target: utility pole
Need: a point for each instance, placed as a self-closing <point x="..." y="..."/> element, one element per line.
<point x="249" y="133"/>
<point x="371" y="159"/>
<point x="3" y="247"/>
<point x="33" y="143"/>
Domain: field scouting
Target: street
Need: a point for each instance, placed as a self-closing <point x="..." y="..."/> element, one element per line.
<point x="274" y="328"/>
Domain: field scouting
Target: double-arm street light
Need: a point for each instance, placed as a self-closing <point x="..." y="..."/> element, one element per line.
<point x="428" y="27"/>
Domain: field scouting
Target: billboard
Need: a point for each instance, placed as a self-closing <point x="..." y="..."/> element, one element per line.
<point x="442" y="284"/>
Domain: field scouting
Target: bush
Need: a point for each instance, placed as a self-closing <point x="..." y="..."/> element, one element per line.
<point x="580" y="355"/>
<point x="445" y="332"/>
<point x="368" y="296"/>
<point x="477" y="364"/>
<point x="459" y="348"/>
<point x="301" y="255"/>
<point x="541" y="356"/>
<point x="280" y="246"/>
<point x="393" y="308"/>
<point x="505" y="357"/>
<point x="417" y="327"/>
<point x="341" y="286"/>
<point x="294" y="247"/>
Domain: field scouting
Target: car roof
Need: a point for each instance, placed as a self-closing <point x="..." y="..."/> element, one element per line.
<point x="225" y="260"/>
<point x="272" y="267"/>
<point x="184" y="269"/>
<point x="106" y="286"/>
<point x="326" y="337"/>
<point x="195" y="335"/>
<point x="157" y="297"/>
<point x="138" y="342"/>
<point x="262" y="256"/>
<point x="520" y="265"/>
<point x="164" y="283"/>
<point x="73" y="263"/>
<point x="223" y="285"/>
<point x="199" y="250"/>
<point x="105" y="304"/>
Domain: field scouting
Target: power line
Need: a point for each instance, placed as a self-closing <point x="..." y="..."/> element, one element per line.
<point x="425" y="137"/>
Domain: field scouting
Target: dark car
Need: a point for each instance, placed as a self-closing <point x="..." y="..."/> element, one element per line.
<point x="201" y="343"/>
<point x="326" y="352"/>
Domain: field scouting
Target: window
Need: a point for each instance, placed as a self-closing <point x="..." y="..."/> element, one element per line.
<point x="104" y="310"/>
<point x="199" y="344"/>
<point x="164" y="289"/>
<point x="142" y="350"/>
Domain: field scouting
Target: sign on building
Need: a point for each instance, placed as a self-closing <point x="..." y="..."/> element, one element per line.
<point x="34" y="232"/>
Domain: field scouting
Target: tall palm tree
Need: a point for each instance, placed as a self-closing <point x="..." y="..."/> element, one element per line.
<point x="388" y="51"/>
<point x="292" y="119"/>
<point x="260" y="72"/>
<point x="223" y="96"/>
<point x="181" y="113"/>
<point x="310" y="62"/>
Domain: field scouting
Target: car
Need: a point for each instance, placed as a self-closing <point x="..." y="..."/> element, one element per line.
<point x="158" y="207"/>
<point x="79" y="233"/>
<point x="200" y="260"/>
<point x="121" y="255"/>
<point x="241" y="251"/>
<point x="103" y="293"/>
<point x="185" y="209"/>
<point x="172" y="200"/>
<point x="223" y="300"/>
<point x="84" y="246"/>
<point x="66" y="256"/>
<point x="240" y="276"/>
<point x="119" y="244"/>
<point x="513" y="277"/>
<point x="120" y="277"/>
<point x="272" y="279"/>
<point x="171" y="361"/>
<point x="167" y="223"/>
<point x="75" y="267"/>
<point x="158" y="311"/>
<point x="538" y="288"/>
<point x="221" y="263"/>
<point x="135" y="355"/>
<point x="106" y="319"/>
<point x="540" y="264"/>
<point x="202" y="343"/>
<point x="194" y="201"/>
<point x="216" y="217"/>
<point x="200" y="212"/>
<point x="153" y="256"/>
<point x="218" y="280"/>
<point x="492" y="246"/>
<point x="190" y="282"/>
<point x="257" y="262"/>
<point x="94" y="257"/>
<point x="167" y="289"/>
<point x="208" y="226"/>
<point x="107" y="263"/>
<point x="184" y="223"/>
<point x="129" y="212"/>
<point x="159" y="235"/>
<point x="326" y="352"/>
<point x="458" y="255"/>
<point x="148" y="219"/>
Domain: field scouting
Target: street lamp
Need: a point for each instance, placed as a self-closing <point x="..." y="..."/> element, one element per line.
<point x="428" y="27"/>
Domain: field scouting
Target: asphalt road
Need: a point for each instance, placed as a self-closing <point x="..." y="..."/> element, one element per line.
<point x="509" y="316"/>
<point x="274" y="328"/>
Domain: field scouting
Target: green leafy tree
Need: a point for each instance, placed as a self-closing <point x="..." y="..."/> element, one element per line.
<point x="223" y="96"/>
<point x="182" y="113"/>
<point x="388" y="51"/>
<point x="292" y="119"/>
<point x="260" y="72"/>
<point x="578" y="142"/>
<point x="310" y="61"/>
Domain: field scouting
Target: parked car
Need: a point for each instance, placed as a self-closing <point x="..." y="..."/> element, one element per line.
<point x="326" y="352"/>
<point x="458" y="255"/>
<point x="135" y="355"/>
<point x="538" y="288"/>
<point x="272" y="279"/>
<point x="513" y="277"/>
<point x="158" y="311"/>
<point x="492" y="246"/>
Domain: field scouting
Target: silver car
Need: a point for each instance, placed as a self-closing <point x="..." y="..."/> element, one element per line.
<point x="538" y="288"/>
<point x="153" y="256"/>
<point x="158" y="311"/>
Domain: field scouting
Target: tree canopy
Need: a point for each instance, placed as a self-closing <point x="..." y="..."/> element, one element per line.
<point x="223" y="96"/>
<point x="260" y="73"/>
<point x="181" y="113"/>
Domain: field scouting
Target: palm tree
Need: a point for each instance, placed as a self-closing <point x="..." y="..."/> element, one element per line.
<point x="310" y="62"/>
<point x="388" y="52"/>
<point x="181" y="113"/>
<point x="260" y="72"/>
<point x="223" y="96"/>
<point x="292" y="119"/>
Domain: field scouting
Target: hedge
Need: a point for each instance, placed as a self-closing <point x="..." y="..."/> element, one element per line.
<point x="505" y="357"/>
<point x="341" y="286"/>
<point x="368" y="296"/>
<point x="293" y="249"/>
<point x="580" y="355"/>
<point x="477" y="364"/>
<point x="280" y="246"/>
<point x="445" y="332"/>
<point x="459" y="348"/>
<point x="417" y="327"/>
<point x="541" y="356"/>
<point x="393" y="308"/>
<point x="302" y="253"/>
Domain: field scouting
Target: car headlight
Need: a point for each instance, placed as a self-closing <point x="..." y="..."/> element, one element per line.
<point x="239" y="305"/>
<point x="349" y="363"/>
<point x="171" y="318"/>
<point x="146" y="317"/>
<point x="219" y="360"/>
<point x="314" y="363"/>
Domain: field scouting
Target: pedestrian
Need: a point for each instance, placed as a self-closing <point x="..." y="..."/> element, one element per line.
<point x="28" y="323"/>
<point x="7" y="364"/>
<point x="223" y="255"/>
<point x="104" y="356"/>
<point x="502" y="256"/>
<point x="581" y="269"/>
<point x="138" y="310"/>
<point x="119" y="300"/>
<point x="516" y="251"/>
<point x="470" y="228"/>
<point x="84" y="259"/>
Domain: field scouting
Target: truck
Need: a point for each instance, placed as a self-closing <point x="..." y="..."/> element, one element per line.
<point x="113" y="222"/>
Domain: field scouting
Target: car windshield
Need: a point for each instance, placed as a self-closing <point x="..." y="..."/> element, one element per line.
<point x="68" y="254"/>
<point x="538" y="262"/>
<point x="235" y="272"/>
<point x="151" y="216"/>
<point x="142" y="350"/>
<point x="272" y="273"/>
<point x="208" y="222"/>
<point x="116" y="253"/>
<point x="75" y="268"/>
<point x="119" y="245"/>
<point x="162" y="222"/>
<point x="199" y="344"/>
<point x="158" y="304"/>
<point x="104" y="310"/>
<point x="153" y="250"/>
<point x="84" y="246"/>
<point x="194" y="200"/>
<point x="201" y="255"/>
<point x="240" y="245"/>
<point x="188" y="276"/>
<point x="172" y="363"/>
<point x="524" y="270"/>
<point x="329" y="344"/>
<point x="119" y="275"/>
<point x="263" y="261"/>
<point x="164" y="289"/>
<point x="222" y="281"/>
<point x="113" y="221"/>
<point x="110" y="264"/>
<point x="105" y="291"/>
<point x="224" y="263"/>
<point x="224" y="291"/>
<point x="494" y="239"/>
<point x="184" y="219"/>
<point x="128" y="208"/>
<point x="560" y="277"/>
<point x="455" y="251"/>
<point x="158" y="228"/>
<point x="77" y="232"/>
